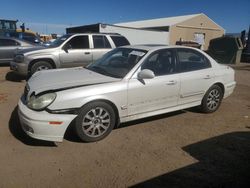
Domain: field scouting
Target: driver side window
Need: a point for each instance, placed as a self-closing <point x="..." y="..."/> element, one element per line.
<point x="161" y="63"/>
<point x="78" y="42"/>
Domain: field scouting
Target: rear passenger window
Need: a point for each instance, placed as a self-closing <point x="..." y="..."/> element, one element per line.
<point x="8" y="42"/>
<point x="79" y="42"/>
<point x="191" y="60"/>
<point x="101" y="41"/>
<point x="119" y="41"/>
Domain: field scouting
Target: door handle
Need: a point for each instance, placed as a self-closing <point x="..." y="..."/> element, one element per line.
<point x="207" y="77"/>
<point x="87" y="53"/>
<point x="172" y="82"/>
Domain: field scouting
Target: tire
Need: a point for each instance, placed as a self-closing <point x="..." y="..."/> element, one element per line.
<point x="212" y="99"/>
<point x="39" y="66"/>
<point x="95" y="121"/>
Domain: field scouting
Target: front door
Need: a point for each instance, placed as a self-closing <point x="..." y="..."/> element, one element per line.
<point x="76" y="52"/>
<point x="158" y="93"/>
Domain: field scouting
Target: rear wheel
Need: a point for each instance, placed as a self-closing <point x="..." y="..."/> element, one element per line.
<point x="40" y="66"/>
<point x="95" y="121"/>
<point x="212" y="99"/>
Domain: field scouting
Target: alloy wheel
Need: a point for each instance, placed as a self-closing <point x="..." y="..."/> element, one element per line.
<point x="96" y="122"/>
<point x="213" y="99"/>
<point x="42" y="67"/>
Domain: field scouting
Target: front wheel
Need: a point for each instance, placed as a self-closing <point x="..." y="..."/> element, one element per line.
<point x="212" y="99"/>
<point x="95" y="121"/>
<point x="40" y="66"/>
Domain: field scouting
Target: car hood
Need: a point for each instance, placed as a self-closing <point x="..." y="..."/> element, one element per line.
<point x="35" y="49"/>
<point x="60" y="79"/>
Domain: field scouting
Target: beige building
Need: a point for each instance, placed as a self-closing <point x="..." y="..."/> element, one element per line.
<point x="197" y="27"/>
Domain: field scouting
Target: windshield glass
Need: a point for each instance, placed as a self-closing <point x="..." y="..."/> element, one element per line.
<point x="118" y="62"/>
<point x="60" y="40"/>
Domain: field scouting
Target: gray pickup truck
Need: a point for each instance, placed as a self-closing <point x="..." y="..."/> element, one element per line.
<point x="70" y="50"/>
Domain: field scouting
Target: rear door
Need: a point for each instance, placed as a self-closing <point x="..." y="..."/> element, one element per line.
<point x="196" y="75"/>
<point x="101" y="45"/>
<point x="7" y="49"/>
<point x="76" y="52"/>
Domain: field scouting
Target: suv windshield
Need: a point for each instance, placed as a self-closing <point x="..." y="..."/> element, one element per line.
<point x="118" y="62"/>
<point x="59" y="40"/>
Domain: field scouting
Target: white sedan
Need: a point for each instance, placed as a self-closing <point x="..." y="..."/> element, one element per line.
<point x="128" y="83"/>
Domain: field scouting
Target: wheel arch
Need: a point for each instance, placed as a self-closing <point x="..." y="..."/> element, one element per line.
<point x="117" y="117"/>
<point x="221" y="85"/>
<point x="49" y="60"/>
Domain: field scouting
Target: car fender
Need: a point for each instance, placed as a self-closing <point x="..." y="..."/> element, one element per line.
<point x="78" y="97"/>
<point x="52" y="57"/>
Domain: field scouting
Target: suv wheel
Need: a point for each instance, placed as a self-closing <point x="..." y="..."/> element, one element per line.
<point x="40" y="66"/>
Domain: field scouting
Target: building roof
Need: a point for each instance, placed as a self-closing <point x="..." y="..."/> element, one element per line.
<point x="169" y="21"/>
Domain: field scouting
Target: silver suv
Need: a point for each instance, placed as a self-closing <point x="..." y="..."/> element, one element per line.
<point x="70" y="50"/>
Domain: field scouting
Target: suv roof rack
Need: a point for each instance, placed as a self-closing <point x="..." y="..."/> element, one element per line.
<point x="95" y="33"/>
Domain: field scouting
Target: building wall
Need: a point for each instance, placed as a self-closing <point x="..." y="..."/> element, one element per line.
<point x="138" y="36"/>
<point x="200" y="24"/>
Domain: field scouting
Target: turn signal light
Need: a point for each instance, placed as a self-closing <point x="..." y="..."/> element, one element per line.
<point x="55" y="122"/>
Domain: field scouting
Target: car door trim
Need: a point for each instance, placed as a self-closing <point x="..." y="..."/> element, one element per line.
<point x="192" y="94"/>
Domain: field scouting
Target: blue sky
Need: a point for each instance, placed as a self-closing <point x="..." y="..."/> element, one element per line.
<point x="49" y="16"/>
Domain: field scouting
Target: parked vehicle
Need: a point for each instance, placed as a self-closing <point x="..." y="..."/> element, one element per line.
<point x="136" y="36"/>
<point x="70" y="50"/>
<point x="128" y="83"/>
<point x="26" y="36"/>
<point x="245" y="56"/>
<point x="8" y="46"/>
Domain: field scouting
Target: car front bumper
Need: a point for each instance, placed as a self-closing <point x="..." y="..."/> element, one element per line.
<point x="20" y="68"/>
<point x="38" y="124"/>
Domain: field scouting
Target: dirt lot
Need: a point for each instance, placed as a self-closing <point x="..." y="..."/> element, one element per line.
<point x="181" y="149"/>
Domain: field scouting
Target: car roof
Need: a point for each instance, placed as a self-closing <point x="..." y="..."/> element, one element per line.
<point x="89" y="33"/>
<point x="153" y="47"/>
<point x="16" y="39"/>
<point x="13" y="38"/>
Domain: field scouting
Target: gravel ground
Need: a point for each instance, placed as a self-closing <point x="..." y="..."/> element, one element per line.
<point x="180" y="149"/>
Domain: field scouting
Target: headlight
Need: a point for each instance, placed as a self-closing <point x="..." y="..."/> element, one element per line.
<point x="41" y="102"/>
<point x="19" y="58"/>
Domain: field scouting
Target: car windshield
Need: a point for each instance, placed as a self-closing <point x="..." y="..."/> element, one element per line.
<point x="59" y="40"/>
<point x="118" y="62"/>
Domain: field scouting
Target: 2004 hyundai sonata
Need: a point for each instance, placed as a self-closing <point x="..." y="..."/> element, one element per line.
<point x="128" y="83"/>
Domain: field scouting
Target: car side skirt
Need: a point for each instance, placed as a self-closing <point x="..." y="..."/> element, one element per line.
<point x="159" y="112"/>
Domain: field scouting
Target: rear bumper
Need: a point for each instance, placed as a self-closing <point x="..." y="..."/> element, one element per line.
<point x="229" y="88"/>
<point x="37" y="124"/>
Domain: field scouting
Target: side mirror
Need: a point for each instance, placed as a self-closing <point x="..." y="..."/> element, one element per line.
<point x="145" y="74"/>
<point x="36" y="41"/>
<point x="66" y="47"/>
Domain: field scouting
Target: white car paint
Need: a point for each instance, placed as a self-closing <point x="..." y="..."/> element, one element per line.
<point x="133" y="98"/>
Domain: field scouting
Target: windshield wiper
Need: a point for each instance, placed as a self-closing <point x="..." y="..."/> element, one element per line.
<point x="101" y="70"/>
